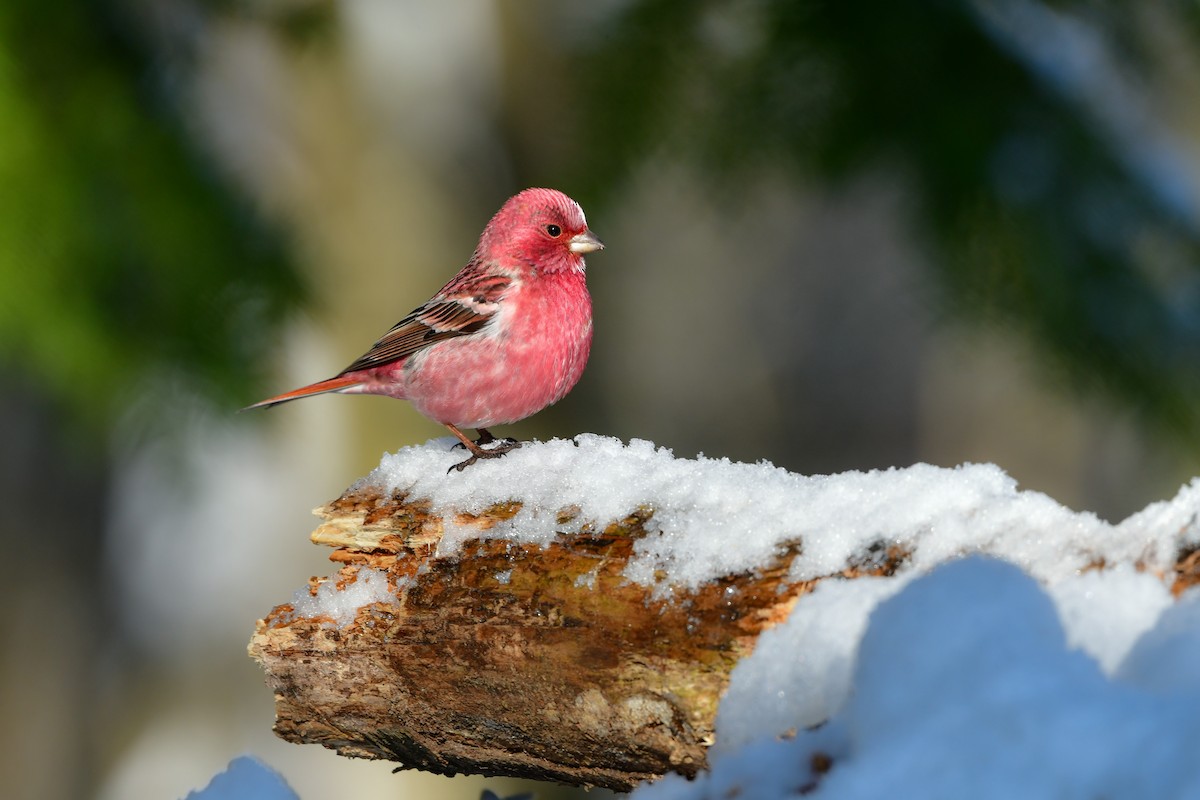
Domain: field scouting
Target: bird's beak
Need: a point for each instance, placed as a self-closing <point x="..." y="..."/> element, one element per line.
<point x="586" y="242"/>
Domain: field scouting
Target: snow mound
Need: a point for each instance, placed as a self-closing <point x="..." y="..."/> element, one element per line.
<point x="246" y="778"/>
<point x="965" y="685"/>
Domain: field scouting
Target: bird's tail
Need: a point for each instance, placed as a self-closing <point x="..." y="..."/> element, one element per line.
<point x="320" y="387"/>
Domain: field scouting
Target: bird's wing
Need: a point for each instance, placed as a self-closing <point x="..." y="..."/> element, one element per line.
<point x="463" y="306"/>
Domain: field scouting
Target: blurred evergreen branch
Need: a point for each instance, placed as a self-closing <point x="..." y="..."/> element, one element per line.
<point x="123" y="261"/>
<point x="1038" y="216"/>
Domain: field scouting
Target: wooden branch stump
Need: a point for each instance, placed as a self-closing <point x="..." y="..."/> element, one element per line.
<point x="513" y="660"/>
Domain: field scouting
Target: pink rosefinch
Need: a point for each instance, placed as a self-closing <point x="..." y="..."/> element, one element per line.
<point x="506" y="337"/>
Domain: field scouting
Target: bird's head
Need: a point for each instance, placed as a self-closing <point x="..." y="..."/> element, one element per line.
<point x="542" y="228"/>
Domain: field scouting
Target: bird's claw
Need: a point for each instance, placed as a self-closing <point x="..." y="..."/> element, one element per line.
<point x="509" y="441"/>
<point x="486" y="438"/>
<point x="494" y="452"/>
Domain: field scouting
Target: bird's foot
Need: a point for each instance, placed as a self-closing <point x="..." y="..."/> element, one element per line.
<point x="476" y="447"/>
<point x="485" y="438"/>
<point x="492" y="452"/>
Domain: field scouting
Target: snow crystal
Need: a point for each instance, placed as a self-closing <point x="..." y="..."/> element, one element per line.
<point x="341" y="606"/>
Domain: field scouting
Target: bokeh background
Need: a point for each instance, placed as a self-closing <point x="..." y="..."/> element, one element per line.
<point x="840" y="236"/>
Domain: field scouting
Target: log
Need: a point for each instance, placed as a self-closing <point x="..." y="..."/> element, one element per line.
<point x="512" y="660"/>
<point x="533" y="660"/>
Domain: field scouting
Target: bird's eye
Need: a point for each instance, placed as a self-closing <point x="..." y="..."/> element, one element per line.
<point x="554" y="231"/>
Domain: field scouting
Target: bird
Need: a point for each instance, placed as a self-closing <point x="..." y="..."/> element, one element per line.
<point x="506" y="337"/>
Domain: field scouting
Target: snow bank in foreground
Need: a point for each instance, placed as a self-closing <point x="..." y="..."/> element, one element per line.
<point x="978" y="678"/>
<point x="965" y="686"/>
<point x="246" y="778"/>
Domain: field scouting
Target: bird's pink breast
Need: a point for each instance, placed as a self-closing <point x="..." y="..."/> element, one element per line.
<point x="528" y="357"/>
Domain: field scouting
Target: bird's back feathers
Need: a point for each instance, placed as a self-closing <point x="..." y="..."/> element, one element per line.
<point x="462" y="306"/>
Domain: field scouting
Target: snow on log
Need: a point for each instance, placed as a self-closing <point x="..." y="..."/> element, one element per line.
<point x="575" y="611"/>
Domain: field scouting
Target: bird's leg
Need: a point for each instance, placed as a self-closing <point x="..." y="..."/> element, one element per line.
<point x="485" y="437"/>
<point x="477" y="451"/>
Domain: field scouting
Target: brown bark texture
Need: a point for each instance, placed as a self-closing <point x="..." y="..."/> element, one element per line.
<point x="506" y="659"/>
<point x="521" y="660"/>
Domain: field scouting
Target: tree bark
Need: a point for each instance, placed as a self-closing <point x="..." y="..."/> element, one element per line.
<point x="505" y="659"/>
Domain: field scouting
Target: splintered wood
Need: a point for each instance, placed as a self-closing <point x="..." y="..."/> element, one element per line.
<point x="507" y="659"/>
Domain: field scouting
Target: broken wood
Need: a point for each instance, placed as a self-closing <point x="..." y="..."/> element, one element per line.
<point x="515" y="660"/>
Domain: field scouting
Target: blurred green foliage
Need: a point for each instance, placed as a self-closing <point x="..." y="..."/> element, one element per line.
<point x="124" y="262"/>
<point x="1034" y="216"/>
